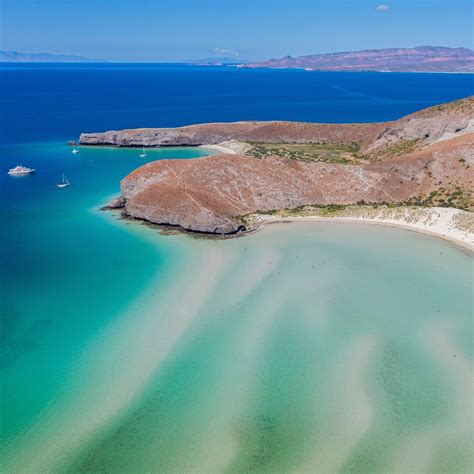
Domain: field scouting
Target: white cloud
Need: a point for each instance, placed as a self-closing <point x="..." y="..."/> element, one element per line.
<point x="228" y="52"/>
<point x="383" y="8"/>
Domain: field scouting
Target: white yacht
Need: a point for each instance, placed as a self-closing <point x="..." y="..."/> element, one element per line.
<point x="74" y="151"/>
<point x="20" y="170"/>
<point x="143" y="155"/>
<point x="64" y="183"/>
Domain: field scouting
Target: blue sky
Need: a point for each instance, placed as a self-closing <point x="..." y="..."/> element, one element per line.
<point x="170" y="30"/>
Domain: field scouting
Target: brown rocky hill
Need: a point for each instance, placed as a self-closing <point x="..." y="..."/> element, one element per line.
<point x="419" y="59"/>
<point x="426" y="126"/>
<point x="215" y="133"/>
<point x="425" y="158"/>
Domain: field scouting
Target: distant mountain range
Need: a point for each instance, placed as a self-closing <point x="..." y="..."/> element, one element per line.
<point x="419" y="59"/>
<point x="16" y="57"/>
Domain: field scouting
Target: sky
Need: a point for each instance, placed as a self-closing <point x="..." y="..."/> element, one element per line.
<point x="177" y="30"/>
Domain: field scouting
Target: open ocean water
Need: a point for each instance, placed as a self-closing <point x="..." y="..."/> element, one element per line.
<point x="329" y="347"/>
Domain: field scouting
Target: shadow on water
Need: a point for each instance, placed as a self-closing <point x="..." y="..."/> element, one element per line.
<point x="18" y="336"/>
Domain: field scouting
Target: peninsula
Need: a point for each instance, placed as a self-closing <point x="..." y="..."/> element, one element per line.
<point x="291" y="169"/>
<point x="419" y="59"/>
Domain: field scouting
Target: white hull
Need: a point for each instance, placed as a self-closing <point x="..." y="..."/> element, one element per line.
<point x="20" y="172"/>
<point x="64" y="183"/>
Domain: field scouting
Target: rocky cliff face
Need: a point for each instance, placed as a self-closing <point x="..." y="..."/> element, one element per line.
<point x="208" y="194"/>
<point x="215" y="133"/>
<point x="420" y="59"/>
<point x="428" y="126"/>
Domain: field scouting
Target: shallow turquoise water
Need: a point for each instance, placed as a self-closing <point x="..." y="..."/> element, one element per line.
<point x="330" y="347"/>
<point x="65" y="270"/>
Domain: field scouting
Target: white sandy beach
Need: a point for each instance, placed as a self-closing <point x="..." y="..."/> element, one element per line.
<point x="454" y="225"/>
<point x="229" y="147"/>
<point x="220" y="149"/>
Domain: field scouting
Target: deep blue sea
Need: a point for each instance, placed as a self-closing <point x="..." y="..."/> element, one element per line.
<point x="45" y="102"/>
<point x="294" y="349"/>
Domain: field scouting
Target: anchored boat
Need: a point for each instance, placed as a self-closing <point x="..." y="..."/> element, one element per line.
<point x="64" y="183"/>
<point x="20" y="171"/>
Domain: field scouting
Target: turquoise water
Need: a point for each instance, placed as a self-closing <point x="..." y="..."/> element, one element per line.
<point x="334" y="347"/>
<point x="66" y="270"/>
<point x="305" y="347"/>
<point x="331" y="347"/>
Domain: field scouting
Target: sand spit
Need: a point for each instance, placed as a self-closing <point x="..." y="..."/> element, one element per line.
<point x="417" y="453"/>
<point x="252" y="336"/>
<point x="351" y="413"/>
<point x="229" y="396"/>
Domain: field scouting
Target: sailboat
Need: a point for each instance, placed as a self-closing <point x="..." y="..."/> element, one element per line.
<point x="64" y="183"/>
<point x="143" y="155"/>
<point x="74" y="151"/>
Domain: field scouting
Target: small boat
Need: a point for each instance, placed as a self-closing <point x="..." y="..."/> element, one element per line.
<point x="20" y="171"/>
<point x="74" y="151"/>
<point x="143" y="155"/>
<point x="64" y="184"/>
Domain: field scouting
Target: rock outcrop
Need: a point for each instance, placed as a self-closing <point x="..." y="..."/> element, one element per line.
<point x="429" y="126"/>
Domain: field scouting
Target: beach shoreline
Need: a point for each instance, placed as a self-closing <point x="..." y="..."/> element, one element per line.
<point x="221" y="148"/>
<point x="441" y="225"/>
<point x="436" y="222"/>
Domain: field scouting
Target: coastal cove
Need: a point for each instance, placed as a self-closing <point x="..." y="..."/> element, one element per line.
<point x="318" y="344"/>
<point x="264" y="314"/>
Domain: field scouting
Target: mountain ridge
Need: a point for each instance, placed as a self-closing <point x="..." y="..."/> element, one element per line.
<point x="18" y="57"/>
<point x="417" y="59"/>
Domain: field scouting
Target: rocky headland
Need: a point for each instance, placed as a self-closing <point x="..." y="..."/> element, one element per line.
<point x="424" y="159"/>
